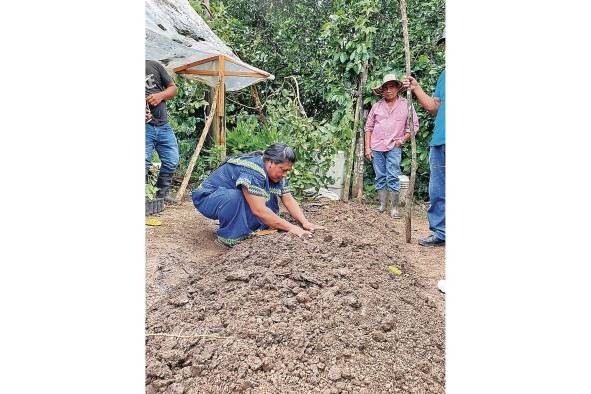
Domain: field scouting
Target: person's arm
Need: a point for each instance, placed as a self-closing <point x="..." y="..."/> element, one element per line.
<point x="296" y="212"/>
<point x="156" y="98"/>
<point x="267" y="216"/>
<point x="368" y="151"/>
<point x="431" y="104"/>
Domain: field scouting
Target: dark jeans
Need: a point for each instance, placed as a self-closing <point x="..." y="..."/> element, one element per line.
<point x="163" y="140"/>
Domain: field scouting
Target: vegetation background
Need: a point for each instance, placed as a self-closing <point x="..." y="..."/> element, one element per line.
<point x="316" y="50"/>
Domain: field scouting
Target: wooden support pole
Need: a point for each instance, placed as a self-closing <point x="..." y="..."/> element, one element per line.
<point x="413" y="167"/>
<point x="215" y="73"/>
<point x="221" y="110"/>
<point x="184" y="69"/>
<point x="215" y="125"/>
<point x="357" y="192"/>
<point x="189" y="171"/>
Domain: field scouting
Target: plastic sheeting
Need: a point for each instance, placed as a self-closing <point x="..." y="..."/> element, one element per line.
<point x="176" y="35"/>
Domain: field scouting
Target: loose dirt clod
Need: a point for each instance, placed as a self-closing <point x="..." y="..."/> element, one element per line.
<point x="238" y="275"/>
<point x="289" y="316"/>
<point x="334" y="373"/>
<point x="254" y="362"/>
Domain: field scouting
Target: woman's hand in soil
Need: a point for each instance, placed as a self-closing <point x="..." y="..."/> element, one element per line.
<point x="300" y="232"/>
<point x="311" y="226"/>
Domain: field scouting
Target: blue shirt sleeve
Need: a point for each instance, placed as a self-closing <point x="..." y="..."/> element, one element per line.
<point x="253" y="182"/>
<point x="440" y="86"/>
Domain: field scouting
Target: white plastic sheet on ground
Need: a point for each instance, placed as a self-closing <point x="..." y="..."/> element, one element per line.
<point x="176" y="35"/>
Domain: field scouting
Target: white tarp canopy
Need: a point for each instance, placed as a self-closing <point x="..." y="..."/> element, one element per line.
<point x="177" y="36"/>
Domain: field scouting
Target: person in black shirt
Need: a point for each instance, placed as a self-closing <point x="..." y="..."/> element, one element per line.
<point x="159" y="135"/>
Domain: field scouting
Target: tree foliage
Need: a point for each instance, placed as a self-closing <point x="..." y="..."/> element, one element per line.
<point x="323" y="44"/>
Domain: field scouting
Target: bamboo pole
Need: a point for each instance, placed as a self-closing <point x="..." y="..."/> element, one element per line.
<point x="357" y="192"/>
<point x="413" y="168"/>
<point x="212" y="114"/>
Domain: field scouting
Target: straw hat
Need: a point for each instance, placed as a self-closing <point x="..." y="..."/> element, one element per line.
<point x="391" y="76"/>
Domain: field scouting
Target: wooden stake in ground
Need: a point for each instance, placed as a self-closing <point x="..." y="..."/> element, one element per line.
<point x="413" y="168"/>
<point x="212" y="113"/>
<point x="357" y="192"/>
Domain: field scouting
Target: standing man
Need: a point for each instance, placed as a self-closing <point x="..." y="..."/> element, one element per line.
<point x="159" y="134"/>
<point x="436" y="106"/>
<point x="386" y="130"/>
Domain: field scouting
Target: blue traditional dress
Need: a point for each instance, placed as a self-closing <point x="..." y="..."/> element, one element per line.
<point x="220" y="196"/>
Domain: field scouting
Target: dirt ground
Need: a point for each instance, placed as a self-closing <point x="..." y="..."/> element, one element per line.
<point x="276" y="314"/>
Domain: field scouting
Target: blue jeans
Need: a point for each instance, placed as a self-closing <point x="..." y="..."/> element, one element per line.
<point x="386" y="165"/>
<point x="436" y="212"/>
<point x="163" y="140"/>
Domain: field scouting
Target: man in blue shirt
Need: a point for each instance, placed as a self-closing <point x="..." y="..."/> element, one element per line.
<point x="436" y="106"/>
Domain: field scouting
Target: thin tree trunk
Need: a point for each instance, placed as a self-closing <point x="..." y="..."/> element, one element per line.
<point x="181" y="191"/>
<point x="207" y="9"/>
<point x="359" y="160"/>
<point x="254" y="92"/>
<point x="413" y="168"/>
<point x="351" y="153"/>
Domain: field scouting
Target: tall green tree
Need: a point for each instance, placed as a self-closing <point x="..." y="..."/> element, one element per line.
<point x="323" y="44"/>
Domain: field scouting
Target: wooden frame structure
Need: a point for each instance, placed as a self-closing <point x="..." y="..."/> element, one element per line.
<point x="219" y="123"/>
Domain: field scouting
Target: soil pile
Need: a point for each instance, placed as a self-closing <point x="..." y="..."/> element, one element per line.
<point x="284" y="315"/>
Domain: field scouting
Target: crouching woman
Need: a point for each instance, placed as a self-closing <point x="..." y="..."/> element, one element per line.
<point x="243" y="195"/>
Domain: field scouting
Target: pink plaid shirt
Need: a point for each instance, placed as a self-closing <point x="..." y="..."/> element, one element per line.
<point x="388" y="125"/>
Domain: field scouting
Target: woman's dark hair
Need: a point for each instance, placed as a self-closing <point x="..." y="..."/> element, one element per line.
<point x="276" y="153"/>
<point x="279" y="153"/>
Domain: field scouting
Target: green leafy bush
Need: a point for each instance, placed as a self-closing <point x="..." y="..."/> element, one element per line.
<point x="314" y="143"/>
<point x="150" y="187"/>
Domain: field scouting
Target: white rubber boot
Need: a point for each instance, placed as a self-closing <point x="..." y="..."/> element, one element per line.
<point x="394" y="212"/>
<point x="382" y="196"/>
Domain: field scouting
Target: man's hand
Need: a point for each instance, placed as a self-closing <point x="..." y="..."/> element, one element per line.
<point x="410" y="81"/>
<point x="368" y="153"/>
<point x="311" y="226"/>
<point x="295" y="230"/>
<point x="399" y="142"/>
<point x="154" y="99"/>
